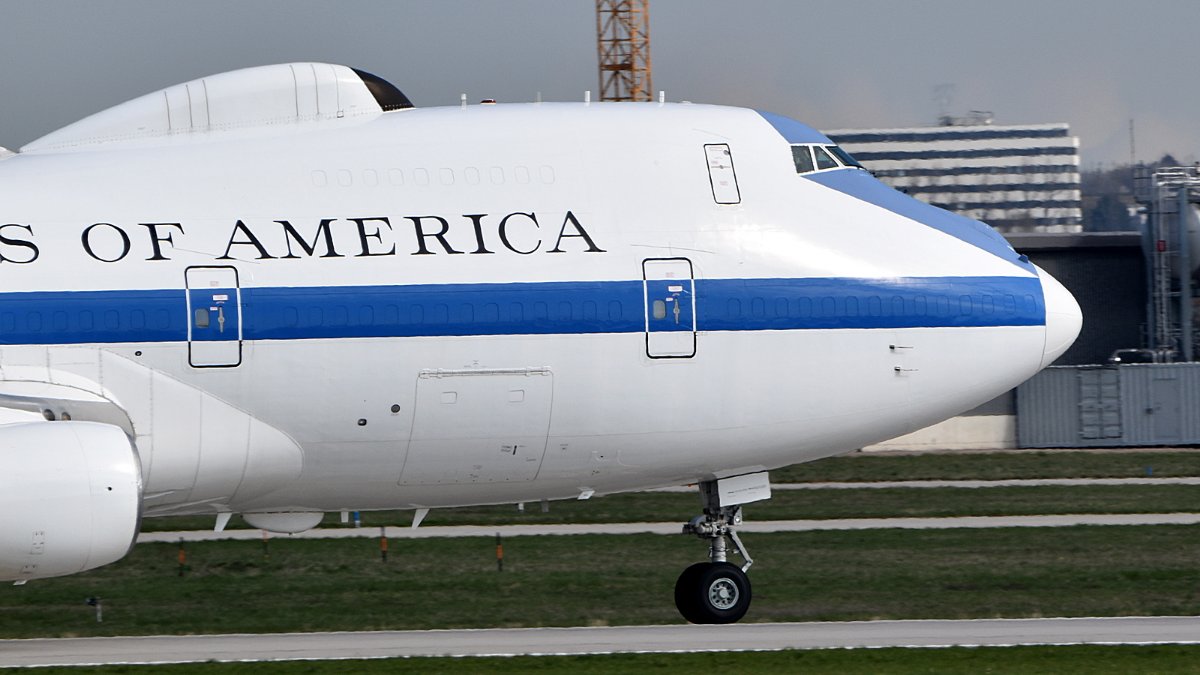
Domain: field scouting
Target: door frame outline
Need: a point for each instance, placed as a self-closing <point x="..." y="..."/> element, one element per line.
<point x="646" y="306"/>
<point x="428" y="374"/>
<point x="732" y="171"/>
<point x="187" y="294"/>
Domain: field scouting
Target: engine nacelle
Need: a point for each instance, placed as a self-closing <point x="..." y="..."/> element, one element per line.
<point x="70" y="498"/>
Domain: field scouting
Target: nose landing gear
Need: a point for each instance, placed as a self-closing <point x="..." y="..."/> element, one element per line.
<point x="718" y="591"/>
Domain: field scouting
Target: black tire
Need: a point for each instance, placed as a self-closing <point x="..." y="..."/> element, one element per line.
<point x="686" y="597"/>
<point x="713" y="593"/>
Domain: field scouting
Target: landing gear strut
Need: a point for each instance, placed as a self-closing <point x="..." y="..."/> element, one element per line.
<point x="718" y="591"/>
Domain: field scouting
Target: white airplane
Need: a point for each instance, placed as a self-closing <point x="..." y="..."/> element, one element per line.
<point x="282" y="291"/>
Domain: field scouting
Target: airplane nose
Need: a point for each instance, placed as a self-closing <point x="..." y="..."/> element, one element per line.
<point x="1063" y="318"/>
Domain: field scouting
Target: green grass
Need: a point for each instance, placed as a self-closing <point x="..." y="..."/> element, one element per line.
<point x="1082" y="660"/>
<point x="597" y="580"/>
<point x="793" y="504"/>
<point x="868" y="503"/>
<point x="993" y="466"/>
<point x="864" y="467"/>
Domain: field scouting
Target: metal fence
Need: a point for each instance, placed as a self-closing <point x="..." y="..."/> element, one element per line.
<point x="1110" y="406"/>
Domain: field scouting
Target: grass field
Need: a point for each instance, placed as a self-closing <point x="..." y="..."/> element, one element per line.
<point x="866" y="467"/>
<point x="876" y="503"/>
<point x="598" y="580"/>
<point x="793" y="504"/>
<point x="1080" y="660"/>
<point x="994" y="466"/>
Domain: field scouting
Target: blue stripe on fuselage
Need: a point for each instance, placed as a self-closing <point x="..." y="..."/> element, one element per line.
<point x="552" y="308"/>
<point x="793" y="131"/>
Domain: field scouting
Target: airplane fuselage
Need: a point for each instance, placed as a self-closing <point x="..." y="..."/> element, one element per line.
<point x="283" y="291"/>
<point x="373" y="272"/>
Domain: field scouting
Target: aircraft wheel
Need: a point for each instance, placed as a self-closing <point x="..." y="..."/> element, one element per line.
<point x="712" y="593"/>
<point x="685" y="594"/>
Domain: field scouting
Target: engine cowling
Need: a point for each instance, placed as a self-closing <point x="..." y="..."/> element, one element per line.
<point x="70" y="498"/>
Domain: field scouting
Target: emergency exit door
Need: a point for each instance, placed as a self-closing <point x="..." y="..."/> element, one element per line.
<point x="670" y="291"/>
<point x="214" y="317"/>
<point x="721" y="174"/>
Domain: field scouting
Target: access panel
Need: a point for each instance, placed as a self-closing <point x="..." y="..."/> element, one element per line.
<point x="1099" y="403"/>
<point x="479" y="425"/>
<point x="214" y="317"/>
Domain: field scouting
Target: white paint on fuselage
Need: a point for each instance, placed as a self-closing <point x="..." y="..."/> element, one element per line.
<point x="746" y="401"/>
<point x="635" y="178"/>
<point x="635" y="194"/>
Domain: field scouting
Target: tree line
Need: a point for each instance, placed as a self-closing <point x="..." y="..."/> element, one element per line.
<point x="1108" y="203"/>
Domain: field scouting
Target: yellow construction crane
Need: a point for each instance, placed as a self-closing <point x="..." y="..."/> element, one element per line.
<point x="623" y="44"/>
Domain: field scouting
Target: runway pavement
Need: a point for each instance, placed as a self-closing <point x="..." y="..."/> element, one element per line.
<point x="606" y="640"/>
<point x="755" y="526"/>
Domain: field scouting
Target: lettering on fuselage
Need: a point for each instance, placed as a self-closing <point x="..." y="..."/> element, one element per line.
<point x="17" y="248"/>
<point x="520" y="233"/>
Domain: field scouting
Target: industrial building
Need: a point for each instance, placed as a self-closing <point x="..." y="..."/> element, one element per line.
<point x="1129" y="404"/>
<point x="1016" y="178"/>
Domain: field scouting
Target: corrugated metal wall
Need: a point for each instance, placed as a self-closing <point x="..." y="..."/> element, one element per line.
<point x="1109" y="406"/>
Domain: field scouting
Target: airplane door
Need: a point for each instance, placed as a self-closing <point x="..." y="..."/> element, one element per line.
<point x="670" y="308"/>
<point x="721" y="174"/>
<point x="214" y="303"/>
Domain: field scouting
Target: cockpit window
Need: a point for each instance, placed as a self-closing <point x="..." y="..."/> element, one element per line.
<point x="810" y="158"/>
<point x="824" y="159"/>
<point x="844" y="157"/>
<point x="803" y="158"/>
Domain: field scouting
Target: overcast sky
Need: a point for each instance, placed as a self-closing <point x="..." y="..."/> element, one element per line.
<point x="1095" y="64"/>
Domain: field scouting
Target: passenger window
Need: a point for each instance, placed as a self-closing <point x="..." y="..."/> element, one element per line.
<point x="803" y="158"/>
<point x="201" y="318"/>
<point x="824" y="161"/>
